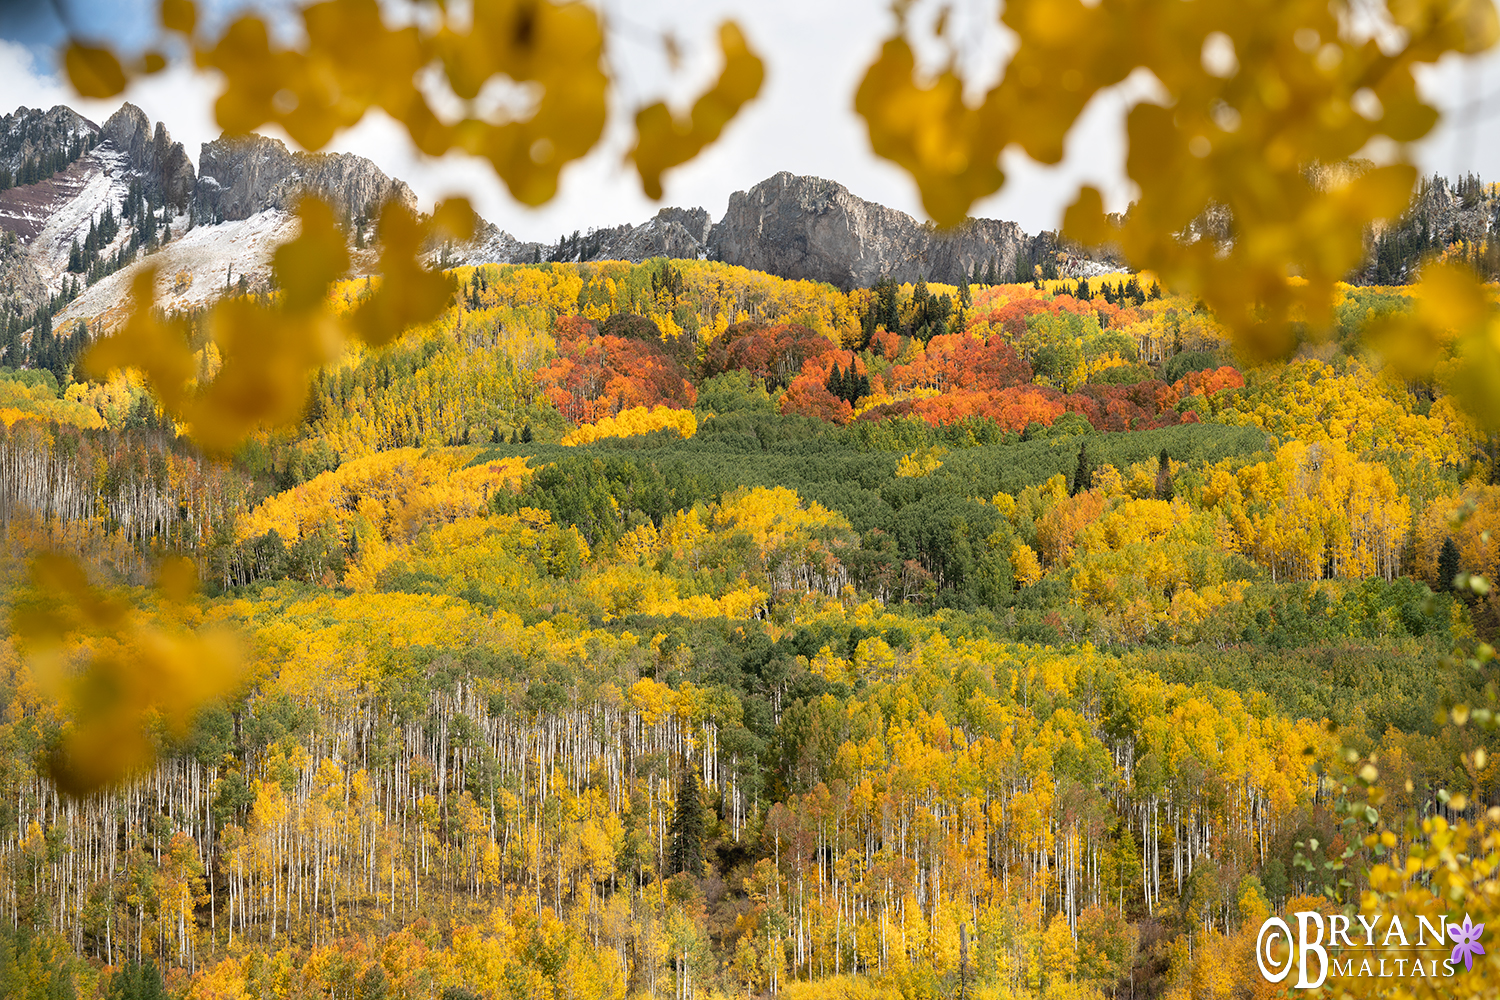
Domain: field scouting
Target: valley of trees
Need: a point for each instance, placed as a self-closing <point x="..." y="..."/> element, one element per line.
<point x="676" y="630"/>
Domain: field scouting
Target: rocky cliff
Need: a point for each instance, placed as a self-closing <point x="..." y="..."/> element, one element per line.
<point x="239" y="176"/>
<point x="165" y="170"/>
<point x="806" y="227"/>
<point x="678" y="233"/>
<point x="794" y="227"/>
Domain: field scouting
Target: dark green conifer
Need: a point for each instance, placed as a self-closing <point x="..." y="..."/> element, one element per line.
<point x="686" y="854"/>
<point x="1083" y="476"/>
<point x="1447" y="564"/>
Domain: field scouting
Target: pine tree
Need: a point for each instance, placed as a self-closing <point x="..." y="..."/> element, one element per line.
<point x="1083" y="476"/>
<point x="135" y="981"/>
<point x="835" y="381"/>
<point x="991" y="275"/>
<point x="1164" y="489"/>
<point x="1447" y="564"/>
<point x="687" y="826"/>
<point x="526" y="434"/>
<point x="888" y="310"/>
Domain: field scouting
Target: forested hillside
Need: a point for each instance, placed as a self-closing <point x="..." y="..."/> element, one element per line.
<point x="677" y="630"/>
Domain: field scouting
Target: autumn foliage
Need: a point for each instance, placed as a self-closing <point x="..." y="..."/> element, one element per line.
<point x="596" y="375"/>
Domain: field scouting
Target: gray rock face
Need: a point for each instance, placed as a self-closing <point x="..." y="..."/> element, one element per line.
<point x="239" y="176"/>
<point x="806" y="227"/>
<point x="677" y="233"/>
<point x="129" y="131"/>
<point x="166" y="172"/>
<point x="794" y="227"/>
<point x="172" y="169"/>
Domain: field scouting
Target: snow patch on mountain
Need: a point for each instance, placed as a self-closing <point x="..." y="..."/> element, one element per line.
<point x="194" y="269"/>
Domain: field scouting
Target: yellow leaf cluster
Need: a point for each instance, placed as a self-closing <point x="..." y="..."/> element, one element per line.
<point x="394" y="493"/>
<point x="636" y="420"/>
<point x="922" y="462"/>
<point x="664" y="141"/>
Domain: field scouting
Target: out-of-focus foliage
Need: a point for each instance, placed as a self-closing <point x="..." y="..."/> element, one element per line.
<point x="1262" y="107"/>
<point x="664" y="141"/>
<point x="114" y="670"/>
<point x="351" y="59"/>
<point x="991" y="648"/>
<point x="264" y="354"/>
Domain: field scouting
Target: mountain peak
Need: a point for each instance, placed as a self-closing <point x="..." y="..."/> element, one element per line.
<point x="240" y="175"/>
<point x="163" y="165"/>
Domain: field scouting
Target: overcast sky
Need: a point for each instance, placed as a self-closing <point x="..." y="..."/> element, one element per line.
<point x="815" y="50"/>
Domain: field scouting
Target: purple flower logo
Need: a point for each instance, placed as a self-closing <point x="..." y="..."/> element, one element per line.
<point x="1466" y="941"/>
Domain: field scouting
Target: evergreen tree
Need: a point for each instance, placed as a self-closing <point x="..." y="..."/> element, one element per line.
<point x="965" y="296"/>
<point x="526" y="434"/>
<point x="1020" y="272"/>
<point x="1164" y="489"/>
<point x="686" y="854"/>
<point x="1083" y="476"/>
<point x="136" y="981"/>
<point x="888" y="308"/>
<point x="1447" y="564"/>
<point x="991" y="275"/>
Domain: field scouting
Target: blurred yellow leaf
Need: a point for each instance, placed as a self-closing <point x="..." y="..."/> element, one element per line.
<point x="408" y="292"/>
<point x="156" y="347"/>
<point x="94" y="72"/>
<point x="179" y="15"/>
<point x="1085" y="221"/>
<point x="306" y="266"/>
<point x="949" y="149"/>
<point x="116" y="669"/>
<point x="558" y="46"/>
<point x="664" y="142"/>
